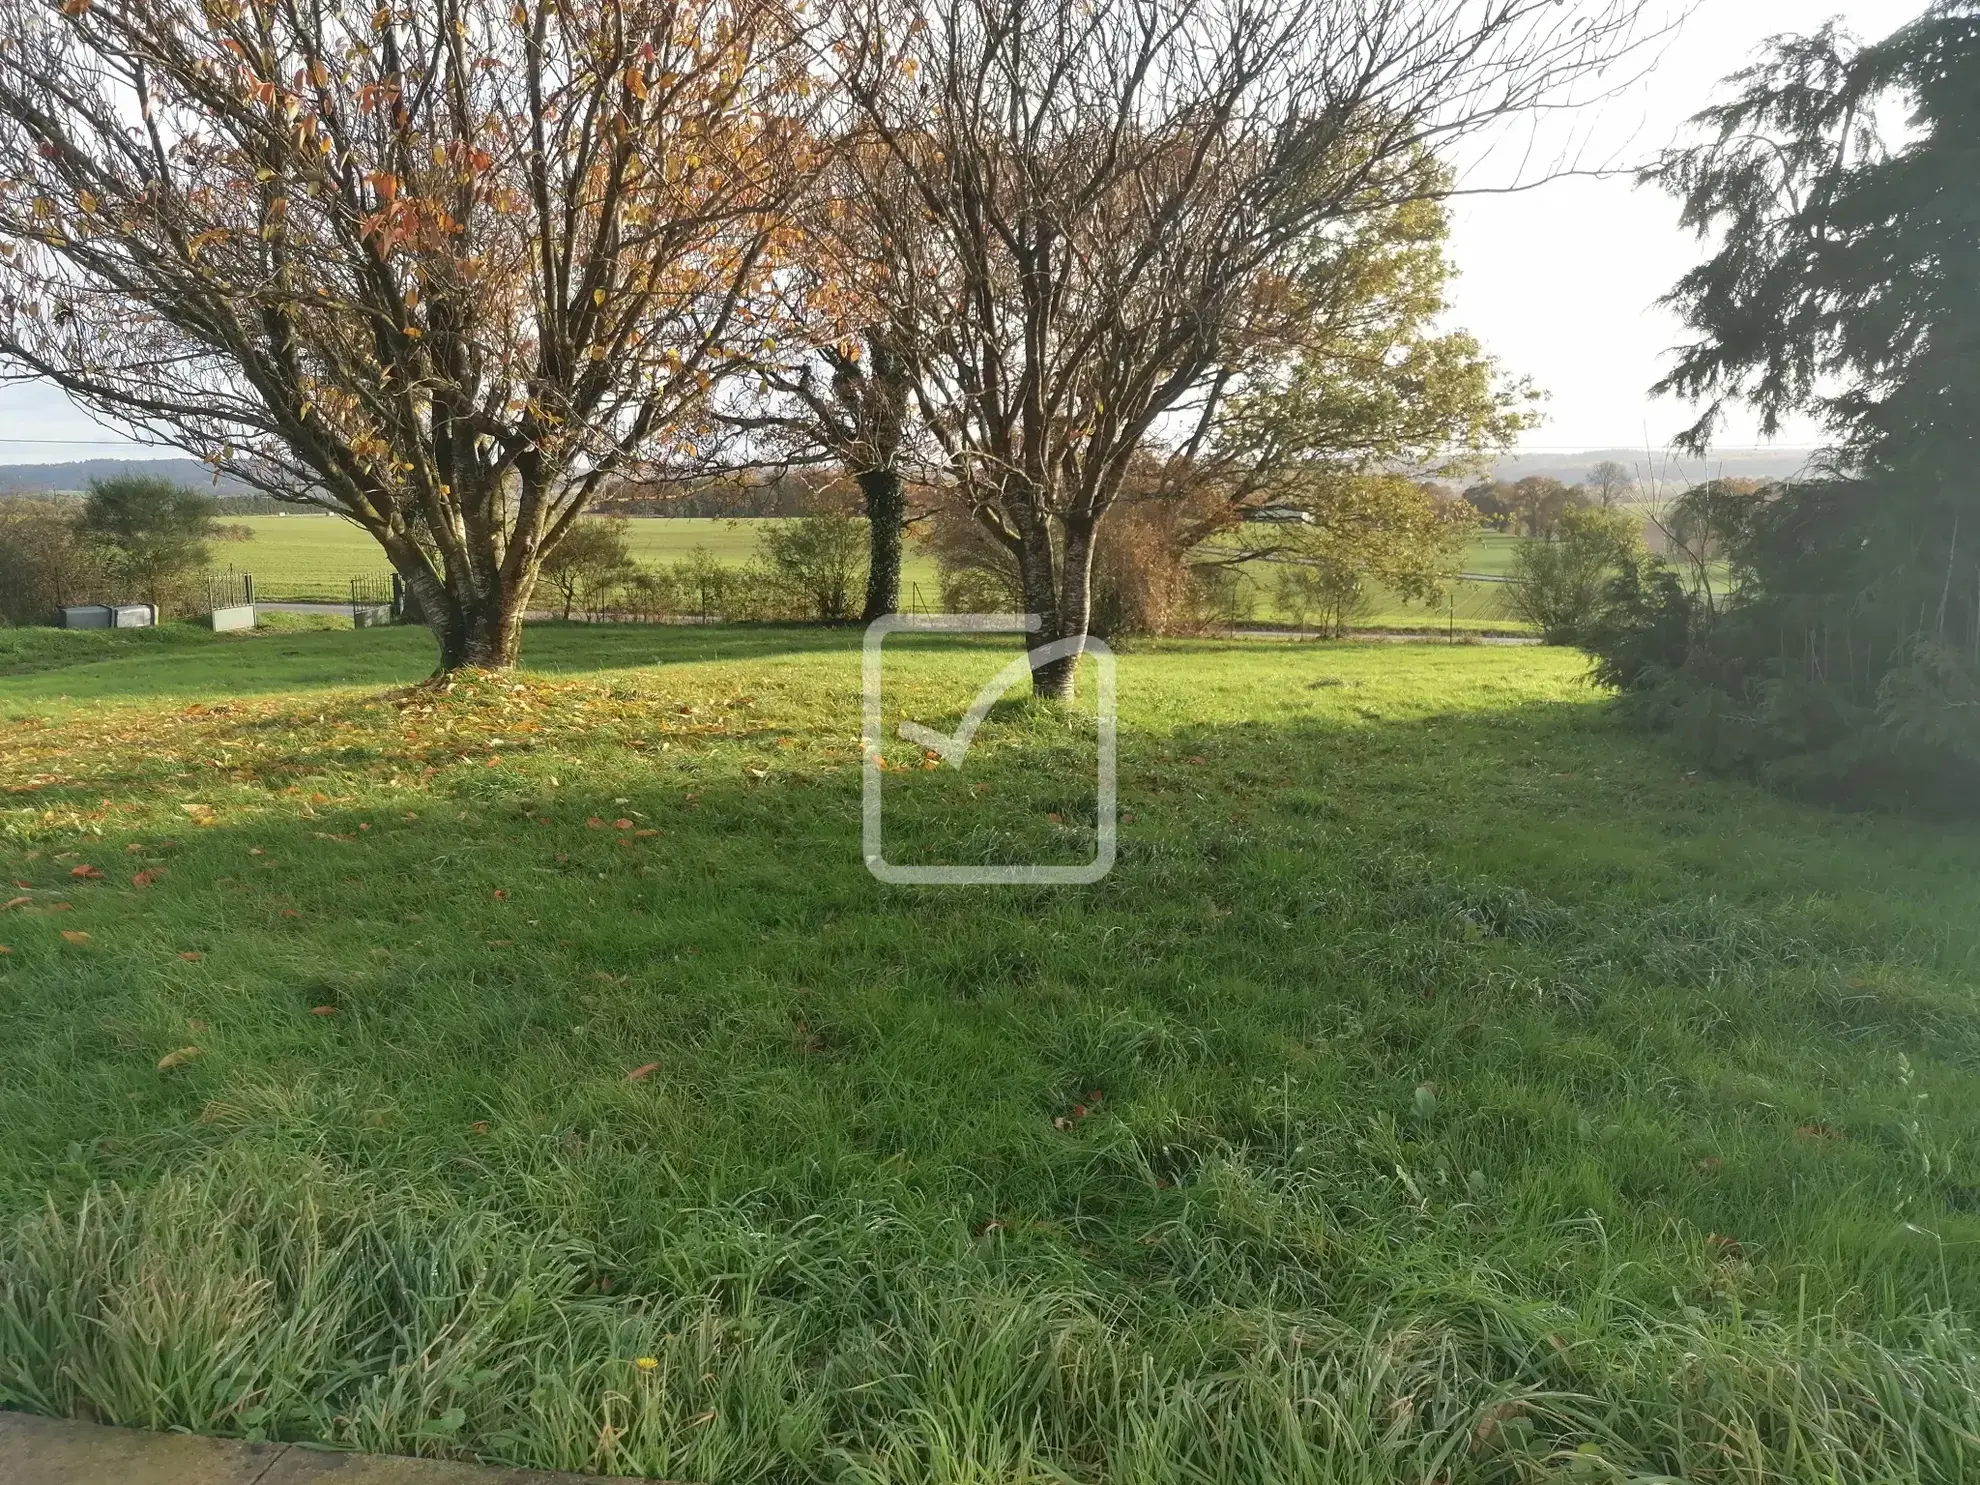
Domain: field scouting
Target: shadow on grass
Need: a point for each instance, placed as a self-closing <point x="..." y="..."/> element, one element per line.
<point x="182" y="662"/>
<point x="1483" y="1035"/>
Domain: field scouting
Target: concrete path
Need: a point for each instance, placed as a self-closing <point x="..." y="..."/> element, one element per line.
<point x="54" y="1451"/>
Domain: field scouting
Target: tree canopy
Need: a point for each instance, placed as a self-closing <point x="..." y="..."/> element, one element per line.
<point x="442" y="269"/>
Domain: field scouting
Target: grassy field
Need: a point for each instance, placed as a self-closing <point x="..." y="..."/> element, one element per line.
<point x="315" y="557"/>
<point x="1444" y="1087"/>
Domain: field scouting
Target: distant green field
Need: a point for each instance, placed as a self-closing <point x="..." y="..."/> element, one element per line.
<point x="315" y="557"/>
<point x="308" y="557"/>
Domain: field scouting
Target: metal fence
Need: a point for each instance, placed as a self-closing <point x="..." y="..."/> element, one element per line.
<point x="229" y="589"/>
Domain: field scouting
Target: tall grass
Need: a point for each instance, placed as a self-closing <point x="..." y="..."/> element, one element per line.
<point x="371" y="1320"/>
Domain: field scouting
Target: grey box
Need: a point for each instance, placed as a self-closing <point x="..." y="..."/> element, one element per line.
<point x="132" y="616"/>
<point x="87" y="616"/>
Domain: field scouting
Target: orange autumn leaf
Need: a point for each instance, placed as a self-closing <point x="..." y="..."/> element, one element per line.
<point x="501" y="895"/>
<point x="75" y="936"/>
<point x="191" y="954"/>
<point x="622" y="824"/>
<point x="642" y="1072"/>
<point x="86" y="871"/>
<point x="177" y="1059"/>
<point x="14" y="902"/>
<point x="323" y="1010"/>
<point x="5" y="950"/>
<point x="146" y="878"/>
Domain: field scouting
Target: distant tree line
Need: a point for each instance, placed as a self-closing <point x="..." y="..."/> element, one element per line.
<point x="1534" y="506"/>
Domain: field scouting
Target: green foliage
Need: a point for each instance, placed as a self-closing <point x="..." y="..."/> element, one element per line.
<point x="587" y="567"/>
<point x="154" y="533"/>
<point x="1532" y="506"/>
<point x="46" y="562"/>
<point x="1558" y="586"/>
<point x="1450" y="1047"/>
<point x="1375" y="384"/>
<point x="1847" y="284"/>
<point x="1333" y="592"/>
<point x="817" y="563"/>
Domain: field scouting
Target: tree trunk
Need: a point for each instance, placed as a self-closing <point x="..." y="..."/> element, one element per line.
<point x="886" y="511"/>
<point x="475" y="630"/>
<point x="1061" y="594"/>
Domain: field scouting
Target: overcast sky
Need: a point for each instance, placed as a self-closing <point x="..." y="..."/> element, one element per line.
<point x="1560" y="282"/>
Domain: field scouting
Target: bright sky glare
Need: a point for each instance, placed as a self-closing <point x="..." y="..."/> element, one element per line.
<point x="1559" y="282"/>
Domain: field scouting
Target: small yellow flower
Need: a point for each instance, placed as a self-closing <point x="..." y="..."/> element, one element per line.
<point x="647" y="1363"/>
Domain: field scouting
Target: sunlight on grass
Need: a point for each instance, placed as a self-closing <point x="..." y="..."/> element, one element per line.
<point x="1444" y="1086"/>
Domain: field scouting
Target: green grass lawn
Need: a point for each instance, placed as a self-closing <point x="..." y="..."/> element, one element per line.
<point x="1444" y="1087"/>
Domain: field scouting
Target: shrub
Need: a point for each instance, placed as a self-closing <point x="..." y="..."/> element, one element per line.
<point x="815" y="565"/>
<point x="1558" y="586"/>
<point x="1333" y="591"/>
<point x="587" y="567"/>
<point x="45" y="562"/>
<point x="1845" y="662"/>
<point x="153" y="533"/>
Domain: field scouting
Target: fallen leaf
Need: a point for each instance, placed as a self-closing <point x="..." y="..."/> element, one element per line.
<point x="177" y="1059"/>
<point x="14" y="902"/>
<point x="75" y="935"/>
<point x="1197" y="758"/>
<point x="645" y="834"/>
<point x="146" y="878"/>
<point x="323" y="1010"/>
<point x="290" y="913"/>
<point x="86" y="871"/>
<point x="622" y="825"/>
<point x="594" y="823"/>
<point x="5" y="950"/>
<point x="191" y="954"/>
<point x="201" y="814"/>
<point x="480" y="1126"/>
<point x="642" y="1072"/>
<point x="501" y="895"/>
